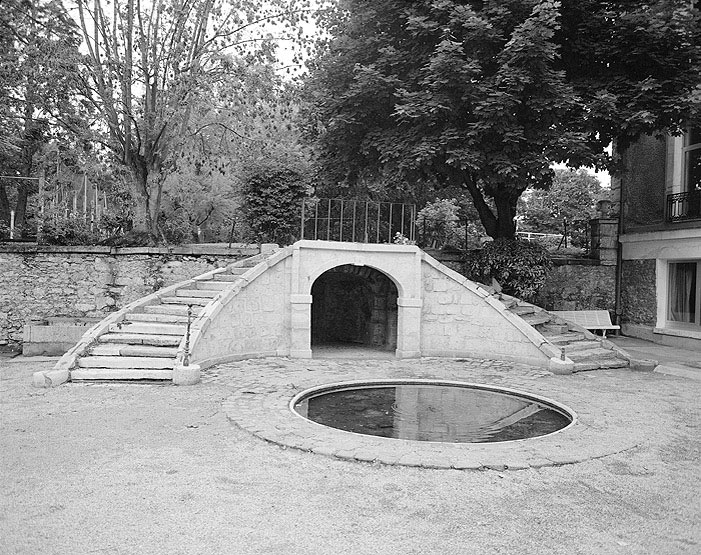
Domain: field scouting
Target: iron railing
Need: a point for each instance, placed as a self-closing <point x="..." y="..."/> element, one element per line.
<point x="358" y="221"/>
<point x="684" y="206"/>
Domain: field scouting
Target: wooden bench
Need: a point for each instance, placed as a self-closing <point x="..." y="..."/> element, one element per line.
<point x="589" y="319"/>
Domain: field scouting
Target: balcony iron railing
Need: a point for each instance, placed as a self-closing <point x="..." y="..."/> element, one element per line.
<point x="684" y="206"/>
<point x="357" y="221"/>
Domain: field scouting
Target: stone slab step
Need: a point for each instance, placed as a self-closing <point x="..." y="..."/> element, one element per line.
<point x="126" y="362"/>
<point x="199" y="301"/>
<point x="600" y="365"/>
<point x="597" y="353"/>
<point x="196" y="293"/>
<point x="583" y="345"/>
<point x="521" y="310"/>
<point x="240" y="270"/>
<point x="227" y="277"/>
<point x="141" y="339"/>
<point x="176" y="309"/>
<point x="564" y="337"/>
<point x="161" y="318"/>
<point x="126" y="350"/>
<point x="553" y="328"/>
<point x="213" y="285"/>
<point x="120" y="374"/>
<point x="150" y="328"/>
<point x="537" y="318"/>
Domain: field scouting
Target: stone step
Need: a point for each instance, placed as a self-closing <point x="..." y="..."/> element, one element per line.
<point x="553" y="328"/>
<point x="126" y="350"/>
<point x="161" y="318"/>
<point x="521" y="310"/>
<point x="586" y="365"/>
<point x="199" y="301"/>
<point x="212" y="285"/>
<point x="148" y="328"/>
<point x="591" y="354"/>
<point x="226" y="277"/>
<point x="239" y="270"/>
<point x="198" y="293"/>
<point x="537" y="318"/>
<point x="509" y="303"/>
<point x="126" y="362"/>
<point x="120" y="374"/>
<point x="141" y="339"/>
<point x="580" y="345"/>
<point x="564" y="337"/>
<point x="175" y="309"/>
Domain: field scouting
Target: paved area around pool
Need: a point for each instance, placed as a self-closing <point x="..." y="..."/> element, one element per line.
<point x="604" y="424"/>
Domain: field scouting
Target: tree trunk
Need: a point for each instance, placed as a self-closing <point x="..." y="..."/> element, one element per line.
<point x="506" y="214"/>
<point x="499" y="225"/>
<point x="4" y="205"/>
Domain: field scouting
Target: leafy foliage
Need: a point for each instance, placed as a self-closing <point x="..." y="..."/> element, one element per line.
<point x="486" y="95"/>
<point x="38" y="92"/>
<point x="571" y="198"/>
<point x="272" y="196"/>
<point x="520" y="267"/>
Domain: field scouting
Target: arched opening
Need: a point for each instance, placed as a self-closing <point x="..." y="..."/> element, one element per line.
<point x="354" y="307"/>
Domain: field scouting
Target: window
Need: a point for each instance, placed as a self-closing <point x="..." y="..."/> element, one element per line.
<point x="691" y="156"/>
<point x="684" y="293"/>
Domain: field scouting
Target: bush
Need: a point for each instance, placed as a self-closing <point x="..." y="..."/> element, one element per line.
<point x="520" y="267"/>
<point x="272" y="202"/>
<point x="71" y="229"/>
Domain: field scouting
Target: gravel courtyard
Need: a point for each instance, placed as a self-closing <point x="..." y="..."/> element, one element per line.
<point x="132" y="469"/>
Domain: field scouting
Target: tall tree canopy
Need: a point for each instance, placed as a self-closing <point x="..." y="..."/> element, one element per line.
<point x="38" y="62"/>
<point x="487" y="94"/>
<point x="169" y="74"/>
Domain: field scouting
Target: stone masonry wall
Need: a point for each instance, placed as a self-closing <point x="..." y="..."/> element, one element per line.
<point x="40" y="282"/>
<point x="254" y="323"/>
<point x="638" y="292"/>
<point x="457" y="322"/>
<point x="579" y="287"/>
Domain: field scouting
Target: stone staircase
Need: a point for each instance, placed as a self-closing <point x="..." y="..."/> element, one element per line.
<point x="145" y="343"/>
<point x="586" y="350"/>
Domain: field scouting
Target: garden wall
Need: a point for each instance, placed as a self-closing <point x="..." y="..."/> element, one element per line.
<point x="39" y="283"/>
<point x="579" y="285"/>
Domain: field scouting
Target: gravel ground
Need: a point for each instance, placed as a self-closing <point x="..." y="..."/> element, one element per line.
<point x="152" y="469"/>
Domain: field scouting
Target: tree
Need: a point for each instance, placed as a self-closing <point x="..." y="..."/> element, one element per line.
<point x="485" y="95"/>
<point x="38" y="62"/>
<point x="152" y="66"/>
<point x="572" y="197"/>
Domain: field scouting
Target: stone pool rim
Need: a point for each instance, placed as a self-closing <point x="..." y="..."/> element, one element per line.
<point x="372" y="383"/>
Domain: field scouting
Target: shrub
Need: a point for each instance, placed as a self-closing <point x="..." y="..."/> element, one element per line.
<point x="71" y="229"/>
<point x="272" y="202"/>
<point x="520" y="267"/>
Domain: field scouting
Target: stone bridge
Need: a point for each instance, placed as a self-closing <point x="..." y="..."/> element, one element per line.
<point x="303" y="299"/>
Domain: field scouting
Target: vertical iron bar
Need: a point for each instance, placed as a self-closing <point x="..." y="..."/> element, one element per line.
<point x="367" y="208"/>
<point x="377" y="233"/>
<point x="340" y="225"/>
<point x="413" y="222"/>
<point x="403" y="222"/>
<point x="389" y="231"/>
<point x="328" y="223"/>
<point x="186" y="357"/>
<point x="355" y="204"/>
<point x="301" y="231"/>
<point x="316" y="220"/>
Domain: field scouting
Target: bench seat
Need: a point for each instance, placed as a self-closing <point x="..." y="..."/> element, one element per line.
<point x="589" y="319"/>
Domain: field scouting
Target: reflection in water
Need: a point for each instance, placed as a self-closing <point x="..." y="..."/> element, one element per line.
<point x="446" y="413"/>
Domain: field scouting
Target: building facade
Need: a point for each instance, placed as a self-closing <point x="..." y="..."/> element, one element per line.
<point x="659" y="274"/>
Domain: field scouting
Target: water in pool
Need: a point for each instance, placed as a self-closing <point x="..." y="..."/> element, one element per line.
<point x="428" y="412"/>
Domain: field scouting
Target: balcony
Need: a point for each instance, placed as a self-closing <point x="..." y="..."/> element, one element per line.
<point x="682" y="207"/>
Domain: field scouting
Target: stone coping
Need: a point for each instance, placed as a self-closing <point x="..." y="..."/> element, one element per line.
<point x="236" y="249"/>
<point x="261" y="405"/>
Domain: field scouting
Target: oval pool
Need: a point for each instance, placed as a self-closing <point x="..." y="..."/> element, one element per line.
<point x="422" y="410"/>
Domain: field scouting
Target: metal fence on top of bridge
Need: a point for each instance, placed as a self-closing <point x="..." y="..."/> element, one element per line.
<point x="359" y="221"/>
